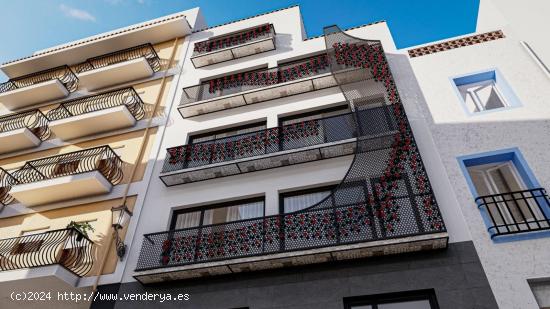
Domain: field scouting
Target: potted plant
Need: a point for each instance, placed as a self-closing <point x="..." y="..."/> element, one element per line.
<point x="82" y="227"/>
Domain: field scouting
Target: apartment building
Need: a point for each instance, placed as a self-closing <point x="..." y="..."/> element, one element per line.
<point x="299" y="173"/>
<point x="79" y="131"/>
<point x="486" y="105"/>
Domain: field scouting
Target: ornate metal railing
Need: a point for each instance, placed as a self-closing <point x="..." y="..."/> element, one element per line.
<point x="34" y="120"/>
<point x="293" y="136"/>
<point x="67" y="247"/>
<point x="63" y="73"/>
<point x="240" y="38"/>
<point x="385" y="194"/>
<point x="516" y="212"/>
<point x="102" y="159"/>
<point x="240" y="82"/>
<point x="5" y="186"/>
<point x="127" y="97"/>
<point x="146" y="50"/>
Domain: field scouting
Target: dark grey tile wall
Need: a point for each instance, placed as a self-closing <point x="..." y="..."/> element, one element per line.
<point x="455" y="273"/>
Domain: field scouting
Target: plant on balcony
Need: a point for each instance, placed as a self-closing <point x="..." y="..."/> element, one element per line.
<point x="303" y="69"/>
<point x="236" y="39"/>
<point x="82" y="227"/>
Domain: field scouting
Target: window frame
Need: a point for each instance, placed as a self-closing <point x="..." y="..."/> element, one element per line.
<point x="192" y="137"/>
<point x="299" y="192"/>
<point x="204" y="208"/>
<point x="502" y="87"/>
<point x="339" y="107"/>
<point x="389" y="298"/>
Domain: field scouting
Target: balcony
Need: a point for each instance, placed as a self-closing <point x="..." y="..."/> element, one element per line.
<point x="233" y="46"/>
<point x="23" y="130"/>
<point x="66" y="176"/>
<point x="5" y="180"/>
<point x="257" y="86"/>
<point x="119" y="67"/>
<point x="52" y="256"/>
<point x="96" y="114"/>
<point x="297" y="143"/>
<point x="344" y="227"/>
<point x="38" y="87"/>
<point x="516" y="212"/>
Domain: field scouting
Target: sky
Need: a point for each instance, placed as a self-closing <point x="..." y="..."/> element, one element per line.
<point x="30" y="25"/>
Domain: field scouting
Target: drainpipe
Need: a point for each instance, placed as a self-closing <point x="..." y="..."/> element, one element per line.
<point x="144" y="141"/>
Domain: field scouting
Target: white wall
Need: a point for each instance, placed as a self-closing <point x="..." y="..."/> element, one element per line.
<point x="508" y="265"/>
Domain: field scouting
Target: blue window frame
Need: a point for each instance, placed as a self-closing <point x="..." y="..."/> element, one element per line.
<point x="509" y="197"/>
<point x="483" y="92"/>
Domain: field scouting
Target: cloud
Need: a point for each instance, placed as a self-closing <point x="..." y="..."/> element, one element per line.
<point x="76" y="13"/>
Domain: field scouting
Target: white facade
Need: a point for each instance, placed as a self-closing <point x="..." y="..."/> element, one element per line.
<point x="291" y="44"/>
<point x="511" y="264"/>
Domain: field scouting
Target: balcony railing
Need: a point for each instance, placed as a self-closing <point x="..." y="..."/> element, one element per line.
<point x="5" y="186"/>
<point x="62" y="73"/>
<point x="127" y="97"/>
<point x="66" y="247"/>
<point x="232" y="46"/>
<point x="33" y="120"/>
<point x="334" y="221"/>
<point x="288" y="137"/>
<point x="142" y="51"/>
<point x="257" y="86"/>
<point x="516" y="212"/>
<point x="102" y="159"/>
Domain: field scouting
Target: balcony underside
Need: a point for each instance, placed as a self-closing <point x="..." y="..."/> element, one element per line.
<point x="296" y="258"/>
<point x="18" y="140"/>
<point x="37" y="278"/>
<point x="259" y="163"/>
<point x="233" y="52"/>
<point x="258" y="95"/>
<point x="26" y="96"/>
<point x="116" y="74"/>
<point x="113" y="118"/>
<point x="61" y="188"/>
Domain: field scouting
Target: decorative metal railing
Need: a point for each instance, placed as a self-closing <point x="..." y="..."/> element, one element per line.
<point x="127" y="97"/>
<point x="240" y="82"/>
<point x="102" y="159"/>
<point x="34" y="120"/>
<point x="146" y="51"/>
<point x="385" y="194"/>
<point x="516" y="212"/>
<point x="240" y="38"/>
<point x="63" y="73"/>
<point x="5" y="186"/>
<point x="293" y="136"/>
<point x="67" y="247"/>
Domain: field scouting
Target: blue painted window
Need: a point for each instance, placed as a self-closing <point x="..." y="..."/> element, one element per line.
<point x="484" y="91"/>
<point x="507" y="193"/>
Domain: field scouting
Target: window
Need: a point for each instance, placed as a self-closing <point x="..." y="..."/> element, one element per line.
<point x="506" y="192"/>
<point x="218" y="213"/>
<point x="30" y="241"/>
<point x="298" y="200"/>
<point x="210" y="136"/>
<point x="424" y="299"/>
<point x="484" y="91"/>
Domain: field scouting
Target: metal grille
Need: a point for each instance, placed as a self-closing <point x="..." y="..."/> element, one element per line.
<point x="62" y="73"/>
<point x="298" y="135"/>
<point x="127" y="97"/>
<point x="34" y="120"/>
<point x="146" y="51"/>
<point x="5" y="185"/>
<point x="243" y="37"/>
<point x="102" y="159"/>
<point x="385" y="193"/>
<point x="67" y="247"/>
<point x="246" y="81"/>
<point x="516" y="212"/>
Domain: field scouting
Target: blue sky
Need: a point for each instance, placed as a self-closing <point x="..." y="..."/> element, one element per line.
<point x="30" y="25"/>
